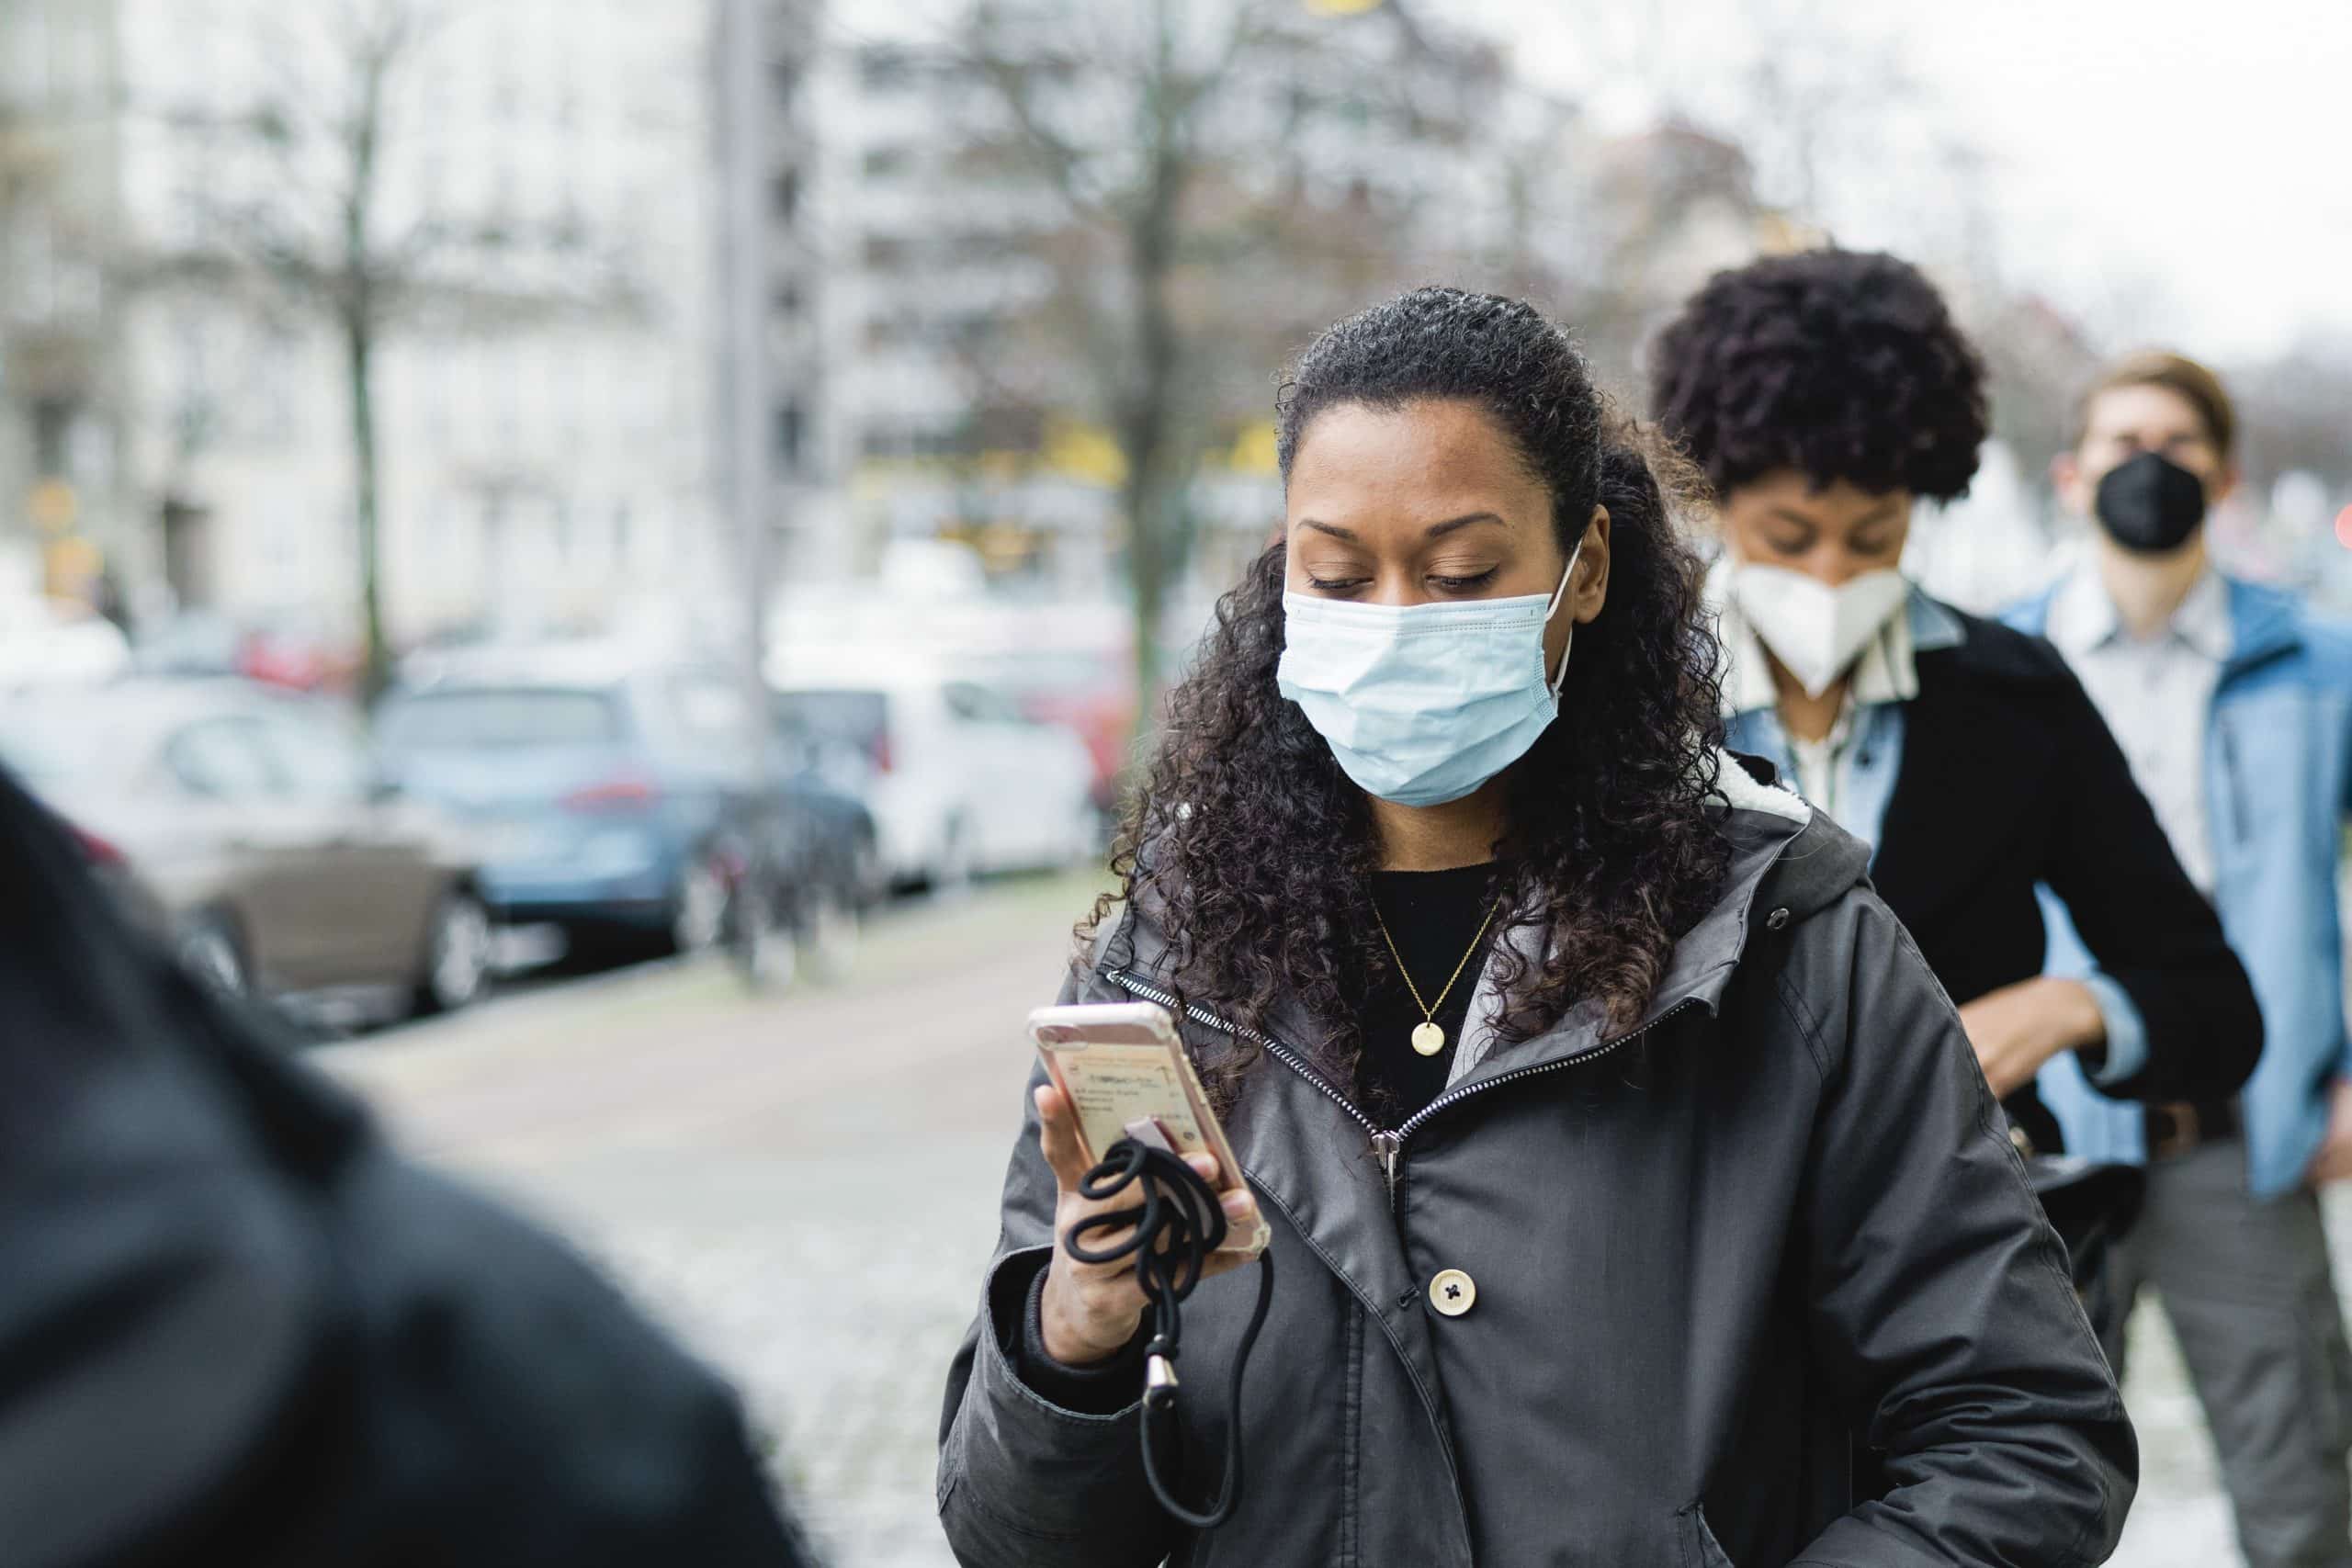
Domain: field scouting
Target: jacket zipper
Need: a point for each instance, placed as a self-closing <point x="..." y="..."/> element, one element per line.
<point x="1388" y="1145"/>
<point x="2238" y="832"/>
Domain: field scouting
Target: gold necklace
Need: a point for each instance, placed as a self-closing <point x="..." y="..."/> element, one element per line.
<point x="1428" y="1038"/>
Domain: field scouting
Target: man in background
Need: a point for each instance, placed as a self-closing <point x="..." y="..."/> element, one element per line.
<point x="2233" y="704"/>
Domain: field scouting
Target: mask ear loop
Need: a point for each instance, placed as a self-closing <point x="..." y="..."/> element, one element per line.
<point x="1556" y="682"/>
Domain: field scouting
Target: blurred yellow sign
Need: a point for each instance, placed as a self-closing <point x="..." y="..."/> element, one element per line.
<point x="1253" y="449"/>
<point x="70" y="568"/>
<point x="1002" y="545"/>
<point x="1084" y="452"/>
<point x="52" y="506"/>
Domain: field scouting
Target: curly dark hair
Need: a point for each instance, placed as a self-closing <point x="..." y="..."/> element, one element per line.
<point x="1254" y="852"/>
<point x="1842" y="365"/>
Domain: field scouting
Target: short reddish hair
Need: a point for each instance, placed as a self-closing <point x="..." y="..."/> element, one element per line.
<point x="2176" y="374"/>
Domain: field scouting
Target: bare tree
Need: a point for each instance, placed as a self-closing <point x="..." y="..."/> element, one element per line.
<point x="306" y="219"/>
<point x="1211" y="193"/>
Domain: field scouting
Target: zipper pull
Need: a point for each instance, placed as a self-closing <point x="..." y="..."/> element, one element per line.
<point x="1388" y="1145"/>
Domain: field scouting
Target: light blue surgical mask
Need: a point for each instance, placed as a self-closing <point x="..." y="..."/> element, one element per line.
<point x="1422" y="704"/>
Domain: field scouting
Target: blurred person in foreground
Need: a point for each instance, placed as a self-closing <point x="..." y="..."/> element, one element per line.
<point x="2234" y="705"/>
<point x="1602" y="1256"/>
<point x="234" y="1328"/>
<point x="1826" y="394"/>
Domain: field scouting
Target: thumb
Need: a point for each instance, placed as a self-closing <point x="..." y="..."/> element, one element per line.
<point x="1057" y="1137"/>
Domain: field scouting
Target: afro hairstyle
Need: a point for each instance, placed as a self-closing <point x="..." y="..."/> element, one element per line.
<point x="1842" y="365"/>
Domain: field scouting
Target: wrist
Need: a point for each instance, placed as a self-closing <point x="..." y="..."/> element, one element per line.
<point x="1073" y="1338"/>
<point x="2083" y="1027"/>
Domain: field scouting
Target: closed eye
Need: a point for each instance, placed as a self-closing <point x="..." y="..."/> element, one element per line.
<point x="1464" y="584"/>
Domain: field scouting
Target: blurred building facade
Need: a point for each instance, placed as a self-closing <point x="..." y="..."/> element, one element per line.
<point x="545" y="427"/>
<point x="553" y="422"/>
<point x="64" y="529"/>
<point x="950" y="413"/>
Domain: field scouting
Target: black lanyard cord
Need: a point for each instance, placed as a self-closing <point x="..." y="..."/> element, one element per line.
<point x="1176" y="1227"/>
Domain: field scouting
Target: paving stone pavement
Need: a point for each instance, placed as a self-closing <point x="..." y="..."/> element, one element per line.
<point x="806" y="1190"/>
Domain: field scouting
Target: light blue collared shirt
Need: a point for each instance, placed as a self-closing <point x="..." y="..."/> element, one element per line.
<point x="1850" y="774"/>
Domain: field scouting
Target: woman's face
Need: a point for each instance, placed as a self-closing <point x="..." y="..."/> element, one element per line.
<point x="1431" y="502"/>
<point x="1834" y="533"/>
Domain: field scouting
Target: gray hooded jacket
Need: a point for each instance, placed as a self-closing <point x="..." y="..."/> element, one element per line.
<point x="1772" y="1242"/>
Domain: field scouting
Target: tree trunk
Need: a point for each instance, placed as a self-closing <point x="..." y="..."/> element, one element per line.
<point x="1147" y="573"/>
<point x="359" y="351"/>
<point x="1157" y="507"/>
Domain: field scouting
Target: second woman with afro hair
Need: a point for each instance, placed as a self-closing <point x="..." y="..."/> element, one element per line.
<point x="1826" y="394"/>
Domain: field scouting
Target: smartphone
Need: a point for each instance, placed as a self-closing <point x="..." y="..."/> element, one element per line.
<point x="1124" y="1069"/>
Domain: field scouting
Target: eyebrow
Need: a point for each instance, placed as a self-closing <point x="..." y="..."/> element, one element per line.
<point x="1435" y="531"/>
<point x="1876" y="515"/>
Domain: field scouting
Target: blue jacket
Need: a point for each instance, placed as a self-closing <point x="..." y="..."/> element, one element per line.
<point x="2278" y="788"/>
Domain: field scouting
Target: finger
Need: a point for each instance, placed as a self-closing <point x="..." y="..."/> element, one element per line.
<point x="1203" y="1166"/>
<point x="1057" y="1137"/>
<point x="1109" y="1238"/>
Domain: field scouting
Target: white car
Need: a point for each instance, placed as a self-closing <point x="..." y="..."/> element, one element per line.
<point x="958" y="783"/>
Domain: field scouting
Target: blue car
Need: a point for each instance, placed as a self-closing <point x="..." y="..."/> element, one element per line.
<point x="613" y="796"/>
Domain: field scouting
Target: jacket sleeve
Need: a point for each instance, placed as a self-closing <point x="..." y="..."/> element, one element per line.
<point x="1941" y="1308"/>
<point x="2154" y="937"/>
<point x="1025" y="1482"/>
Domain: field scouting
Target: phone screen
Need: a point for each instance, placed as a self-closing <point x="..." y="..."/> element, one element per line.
<point x="1111" y="1085"/>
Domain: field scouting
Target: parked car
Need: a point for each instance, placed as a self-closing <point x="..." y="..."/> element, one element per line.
<point x="250" y="828"/>
<point x="1089" y="691"/>
<point x="287" y="648"/>
<point x="958" y="781"/>
<point x="619" y="793"/>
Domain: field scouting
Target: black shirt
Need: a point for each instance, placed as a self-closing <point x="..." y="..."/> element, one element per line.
<point x="1433" y="916"/>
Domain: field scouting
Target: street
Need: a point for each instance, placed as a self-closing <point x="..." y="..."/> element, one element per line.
<point x="805" y="1189"/>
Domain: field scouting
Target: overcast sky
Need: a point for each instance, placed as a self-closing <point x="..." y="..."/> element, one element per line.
<point x="2170" y="170"/>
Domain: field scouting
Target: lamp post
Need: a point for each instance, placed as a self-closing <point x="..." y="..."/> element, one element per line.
<point x="742" y="62"/>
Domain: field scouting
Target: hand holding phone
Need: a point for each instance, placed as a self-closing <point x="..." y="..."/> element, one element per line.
<point x="1110" y="1066"/>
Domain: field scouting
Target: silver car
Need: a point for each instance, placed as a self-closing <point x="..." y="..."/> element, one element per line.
<point x="255" y="828"/>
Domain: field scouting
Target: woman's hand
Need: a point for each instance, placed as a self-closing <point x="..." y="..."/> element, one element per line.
<point x="2019" y="1027"/>
<point x="1089" y="1311"/>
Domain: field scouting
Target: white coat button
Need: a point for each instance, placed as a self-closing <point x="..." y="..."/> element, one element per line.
<point x="1453" y="1292"/>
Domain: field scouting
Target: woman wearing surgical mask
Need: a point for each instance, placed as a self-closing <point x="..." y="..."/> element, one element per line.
<point x="1624" y="1165"/>
<point x="1826" y="394"/>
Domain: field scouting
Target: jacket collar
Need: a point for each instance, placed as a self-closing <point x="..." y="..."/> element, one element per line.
<point x="1763" y="820"/>
<point x="2082" y="616"/>
<point x="2264" y="622"/>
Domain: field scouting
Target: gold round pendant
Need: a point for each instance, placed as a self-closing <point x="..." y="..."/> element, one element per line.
<point x="1428" y="1039"/>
